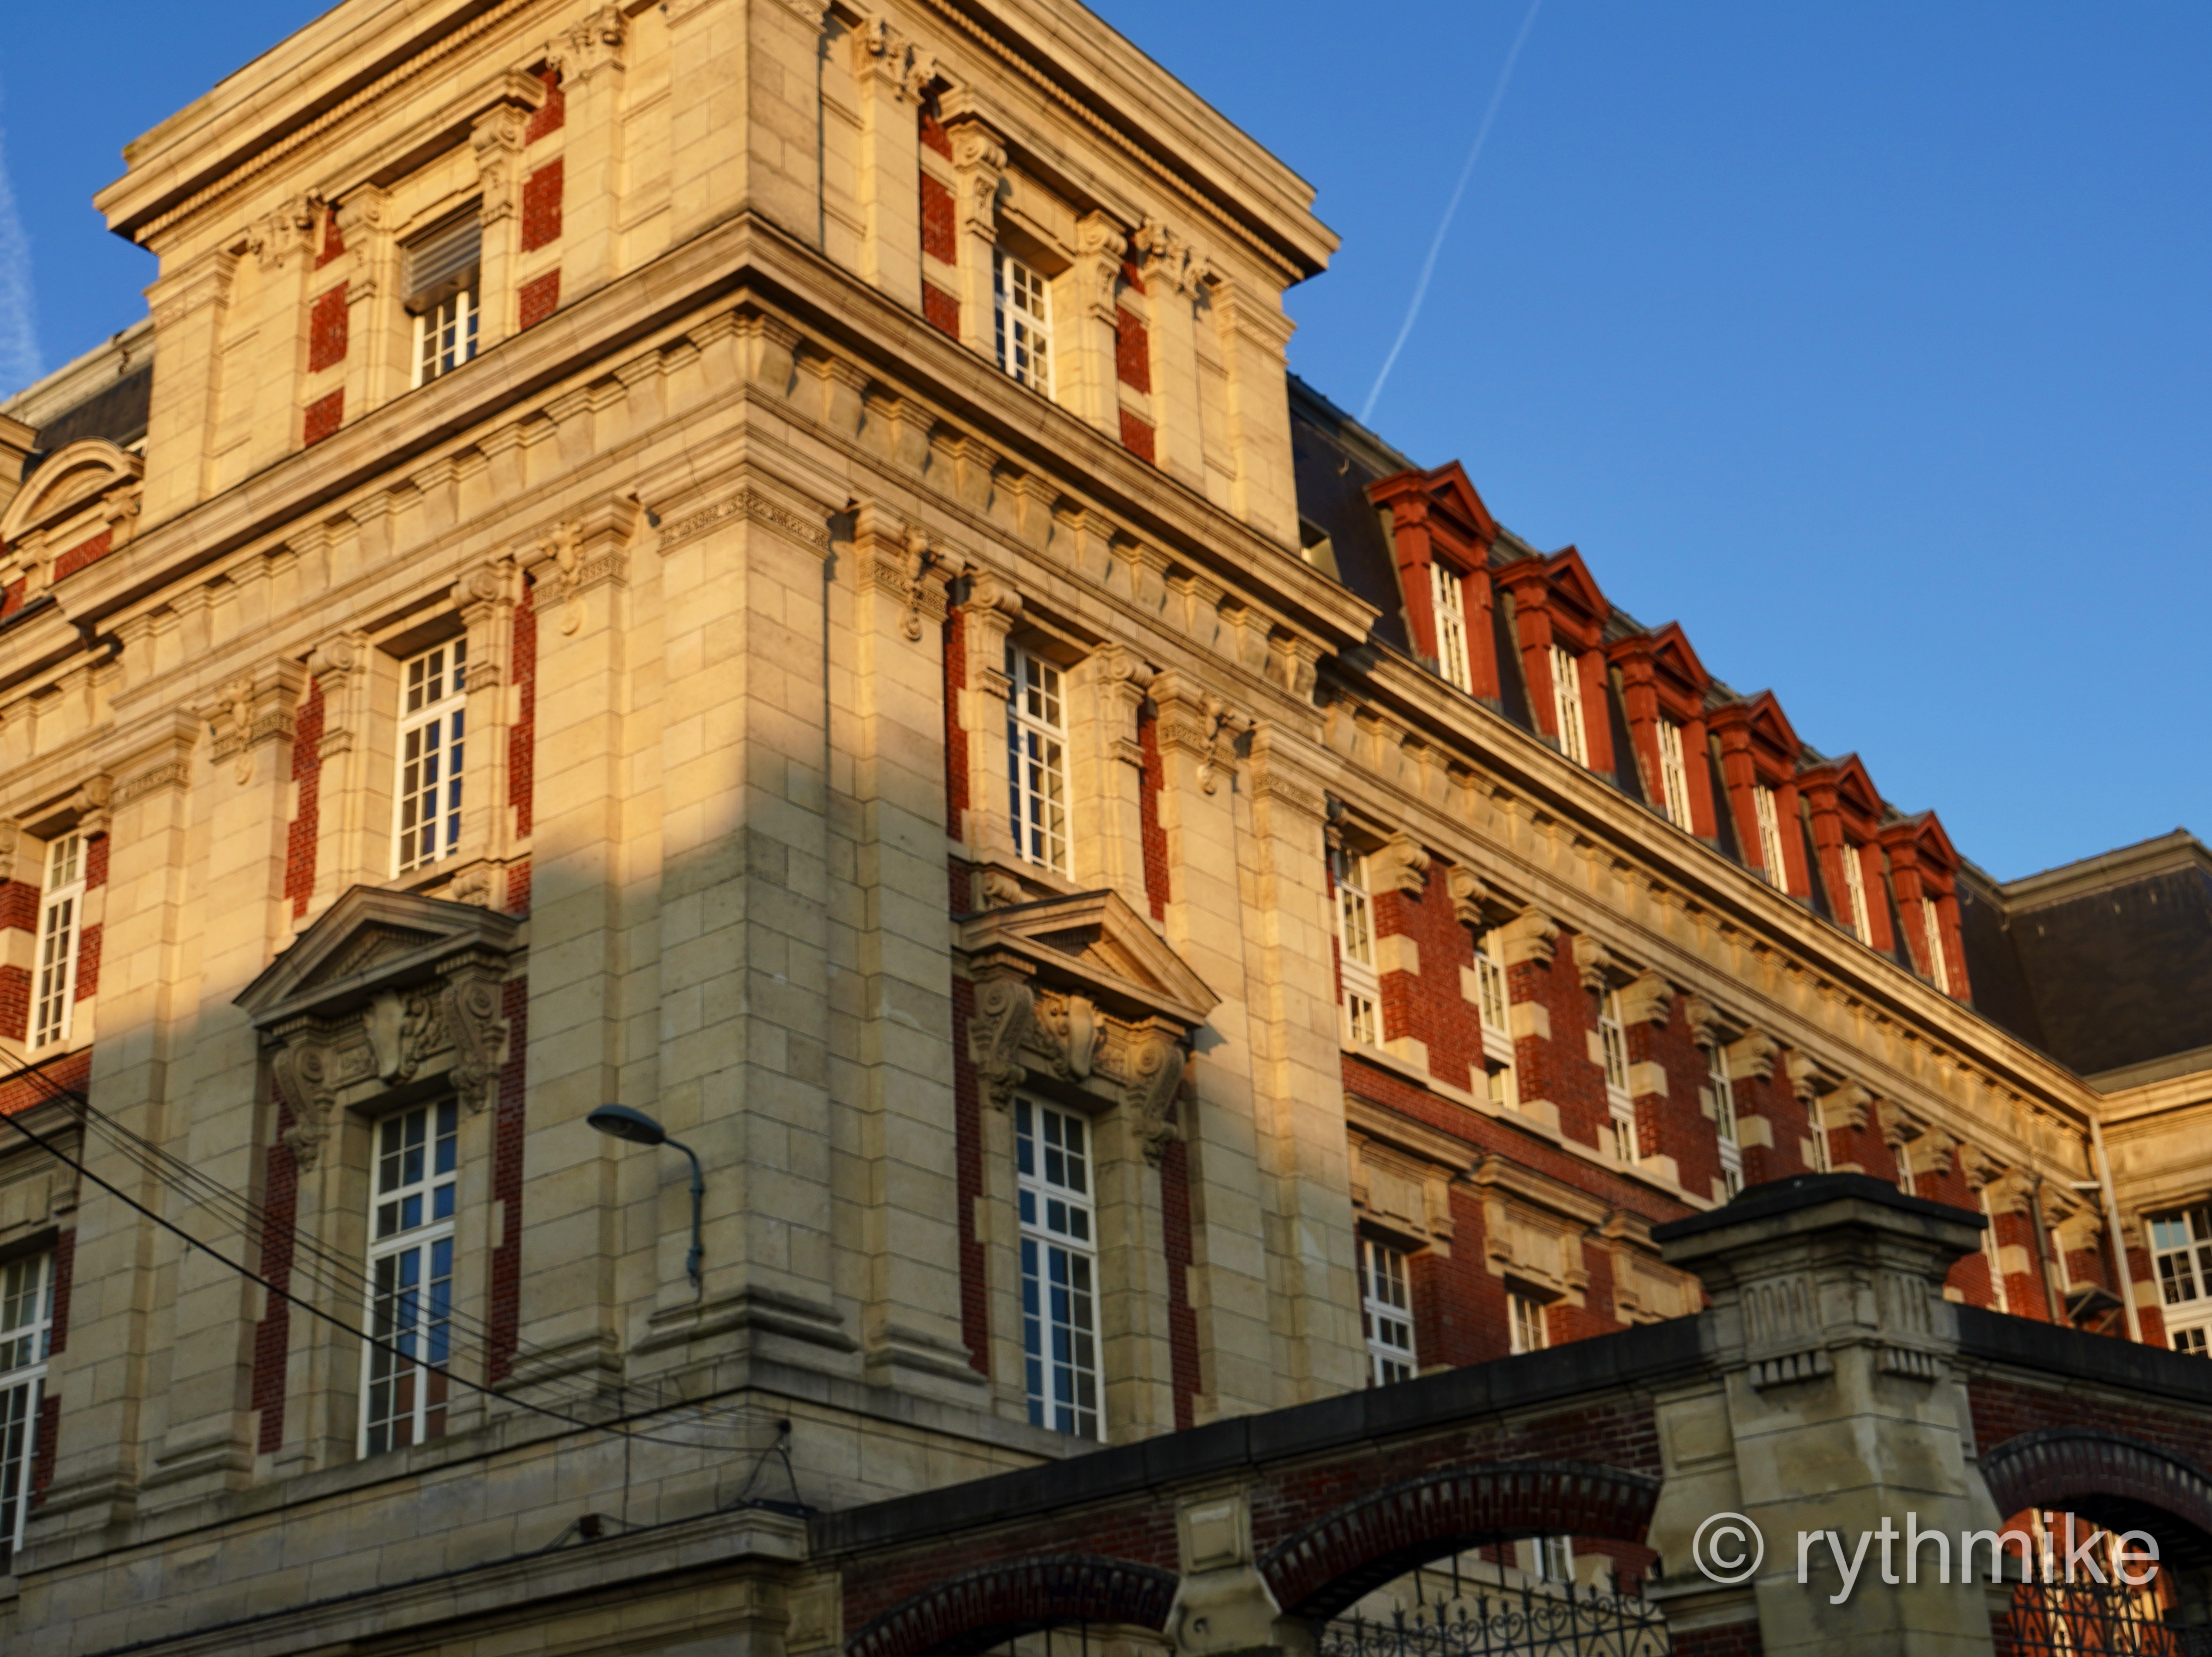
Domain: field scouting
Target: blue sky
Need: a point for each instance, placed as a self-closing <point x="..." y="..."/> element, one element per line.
<point x="1871" y="343"/>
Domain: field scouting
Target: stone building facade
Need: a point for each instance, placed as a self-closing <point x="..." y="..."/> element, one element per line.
<point x="828" y="622"/>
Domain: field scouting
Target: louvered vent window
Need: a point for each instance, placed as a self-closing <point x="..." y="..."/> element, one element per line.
<point x="442" y="279"/>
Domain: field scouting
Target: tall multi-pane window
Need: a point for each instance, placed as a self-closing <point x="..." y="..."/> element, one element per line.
<point x="433" y="726"/>
<point x="440" y="280"/>
<point x="1555" y="1559"/>
<point x="2181" y="1255"/>
<point x="1770" y="836"/>
<point x="1060" y="1268"/>
<point x="1492" y="1003"/>
<point x="1386" y="1311"/>
<point x="1567" y="706"/>
<point x="1036" y="759"/>
<point x="1355" y="941"/>
<point x="61" y="907"/>
<point x="1932" y="930"/>
<point x="1448" y="603"/>
<point x="1855" y="891"/>
<point x="1023" y="302"/>
<point x="1529" y="1329"/>
<point x="1720" y="1105"/>
<point x="27" y="1327"/>
<point x="1816" y="1127"/>
<point x="1993" y="1256"/>
<point x="405" y="1384"/>
<point x="1673" y="776"/>
<point x="1613" y="1042"/>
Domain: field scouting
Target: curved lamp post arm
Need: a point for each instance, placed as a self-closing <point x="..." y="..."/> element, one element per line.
<point x="691" y="1263"/>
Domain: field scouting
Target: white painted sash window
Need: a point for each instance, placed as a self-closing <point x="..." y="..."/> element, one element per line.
<point x="1448" y="603"/>
<point x="1036" y="760"/>
<point x="1770" y="837"/>
<point x="1931" y="928"/>
<point x="1720" y="1104"/>
<point x="1567" y="706"/>
<point x="1023" y="303"/>
<point x="1355" y="943"/>
<point x="433" y="726"/>
<point x="2181" y="1255"/>
<point x="27" y="1327"/>
<point x="1673" y="776"/>
<point x="1855" y="893"/>
<point x="440" y="279"/>
<point x="404" y="1384"/>
<point x="1531" y="1330"/>
<point x="1613" y="1042"/>
<point x="61" y="927"/>
<point x="1386" y="1310"/>
<point x="1060" y="1268"/>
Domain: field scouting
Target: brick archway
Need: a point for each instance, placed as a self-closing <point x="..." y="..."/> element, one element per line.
<point x="992" y="1604"/>
<point x="2119" y="1482"/>
<point x="1331" y="1562"/>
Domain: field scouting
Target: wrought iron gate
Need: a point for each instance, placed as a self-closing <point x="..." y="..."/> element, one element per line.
<point x="2091" y="1619"/>
<point x="1510" y="1622"/>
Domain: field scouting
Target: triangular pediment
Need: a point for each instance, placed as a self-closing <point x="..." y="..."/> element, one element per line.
<point x="369" y="941"/>
<point x="1671" y="645"/>
<point x="1096" y="943"/>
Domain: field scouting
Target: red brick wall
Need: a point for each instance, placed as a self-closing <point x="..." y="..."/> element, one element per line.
<point x="1428" y="1006"/>
<point x="19" y="908"/>
<point x="19" y="905"/>
<point x="539" y="298"/>
<point x="1459" y="1304"/>
<point x="967" y="1159"/>
<point x="85" y="552"/>
<point x="541" y="206"/>
<point x="1132" y="351"/>
<point x="333" y="241"/>
<point x="306" y="819"/>
<point x="11" y="596"/>
<point x="941" y="309"/>
<point x="1138" y="438"/>
<point x="522" y="740"/>
<point x="96" y="863"/>
<point x="88" y="963"/>
<point x="326" y="330"/>
<point x="939" y="238"/>
<point x="1771" y="1097"/>
<point x="71" y="1073"/>
<point x="506" y="1286"/>
<point x="550" y="115"/>
<point x="1673" y="1124"/>
<point x="956" y="739"/>
<point x="934" y="135"/>
<point x="518" y="887"/>
<point x="272" y="1336"/>
<point x="1182" y="1320"/>
<point x="1560" y="1070"/>
<point x="325" y="415"/>
<point x="1155" y="838"/>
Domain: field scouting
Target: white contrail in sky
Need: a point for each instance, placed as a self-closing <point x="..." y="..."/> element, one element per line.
<point x="19" y="329"/>
<point x="1429" y="264"/>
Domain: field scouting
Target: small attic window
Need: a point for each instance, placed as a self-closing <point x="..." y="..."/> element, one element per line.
<point x="1315" y="547"/>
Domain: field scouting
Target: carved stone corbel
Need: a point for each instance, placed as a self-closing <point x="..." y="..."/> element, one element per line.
<point x="1474" y="904"/>
<point x="402" y="1028"/>
<point x="91" y="803"/>
<point x="1400" y="863"/>
<point x="1072" y="1021"/>
<point x="1099" y="251"/>
<point x="472" y="1006"/>
<point x="1855" y="1105"/>
<point x="287" y="229"/>
<point x="306" y="1065"/>
<point x="496" y="137"/>
<point x="1593" y="964"/>
<point x="883" y="53"/>
<point x="11" y="847"/>
<point x="1531" y="936"/>
<point x="584" y="47"/>
<point x="1153" y="1064"/>
<point x="1165" y="258"/>
<point x="1751" y="1056"/>
<point x="981" y="160"/>
<point x="992" y="609"/>
<point x="1004" y="1018"/>
<point x="1121" y="676"/>
<point x="1704" y="1021"/>
<point x="1647" y="999"/>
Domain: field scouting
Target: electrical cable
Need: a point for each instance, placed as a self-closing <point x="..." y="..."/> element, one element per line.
<point x="337" y="1322"/>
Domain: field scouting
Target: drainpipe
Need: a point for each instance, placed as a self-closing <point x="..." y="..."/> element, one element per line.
<point x="2122" y="1270"/>
<point x="2042" y="1250"/>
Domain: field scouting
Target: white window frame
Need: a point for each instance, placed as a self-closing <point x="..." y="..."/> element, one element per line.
<point x="430" y="755"/>
<point x="61" y="932"/>
<point x="1494" y="1004"/>
<point x="446" y="335"/>
<point x="1037" y="782"/>
<point x="1992" y="1252"/>
<point x="1554" y="1559"/>
<point x="1907" y="1180"/>
<point x="26" y="1336"/>
<point x="1673" y="776"/>
<point x="1764" y="808"/>
<point x="1386" y="1313"/>
<point x="1932" y="930"/>
<point x="1567" y="705"/>
<point x="1355" y="948"/>
<point x="414" y="1192"/>
<point x="1054" y="1169"/>
<point x="1816" y="1124"/>
<point x="1856" y="894"/>
<point x="1448" y="604"/>
<point x="1021" y="301"/>
<point x="1529" y="1325"/>
<point x="1613" y="1044"/>
<point x="1720" y="1099"/>
<point x="2181" y="1241"/>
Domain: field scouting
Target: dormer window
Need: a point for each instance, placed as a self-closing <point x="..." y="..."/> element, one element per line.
<point x="1931" y="926"/>
<point x="1023" y="302"/>
<point x="1567" y="706"/>
<point x="1448" y="603"/>
<point x="442" y="279"/>
<point x="1855" y="894"/>
<point x="1673" y="776"/>
<point x="1770" y="837"/>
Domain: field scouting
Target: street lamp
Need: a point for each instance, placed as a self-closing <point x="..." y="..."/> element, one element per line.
<point x="621" y="1122"/>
